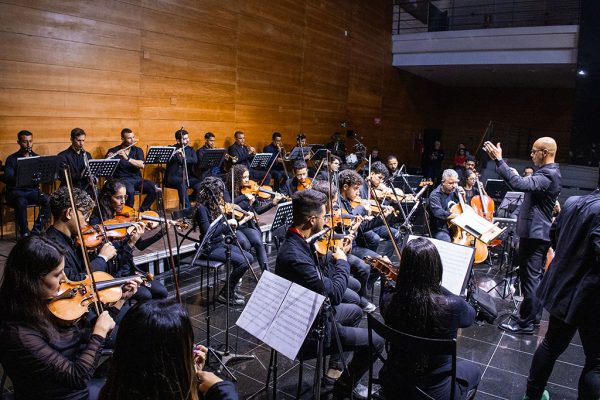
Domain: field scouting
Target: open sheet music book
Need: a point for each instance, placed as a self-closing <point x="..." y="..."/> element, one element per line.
<point x="457" y="261"/>
<point x="280" y="313"/>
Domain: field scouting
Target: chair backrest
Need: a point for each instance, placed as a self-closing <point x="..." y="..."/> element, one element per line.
<point x="412" y="345"/>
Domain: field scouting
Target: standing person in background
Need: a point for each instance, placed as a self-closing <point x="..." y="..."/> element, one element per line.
<point x="131" y="163"/>
<point x="76" y="159"/>
<point x="533" y="225"/>
<point x="176" y="174"/>
<point x="21" y="197"/>
<point x="277" y="171"/>
<point x="434" y="161"/>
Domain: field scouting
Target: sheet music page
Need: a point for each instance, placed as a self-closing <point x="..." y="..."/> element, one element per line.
<point x="261" y="309"/>
<point x="293" y="320"/>
<point x="474" y="221"/>
<point x="456" y="260"/>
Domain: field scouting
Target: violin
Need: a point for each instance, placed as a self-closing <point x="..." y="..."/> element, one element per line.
<point x="264" y="192"/>
<point x="340" y="217"/>
<point x="305" y="184"/>
<point x="466" y="239"/>
<point x="237" y="212"/>
<point x="153" y="216"/>
<point x="387" y="269"/>
<point x="74" y="298"/>
<point x="392" y="193"/>
<point x="332" y="239"/>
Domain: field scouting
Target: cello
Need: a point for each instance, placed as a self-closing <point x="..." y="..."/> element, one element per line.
<point x="483" y="204"/>
<point x="464" y="238"/>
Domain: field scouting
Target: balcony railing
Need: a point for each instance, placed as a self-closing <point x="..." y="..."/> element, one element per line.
<point x="444" y="15"/>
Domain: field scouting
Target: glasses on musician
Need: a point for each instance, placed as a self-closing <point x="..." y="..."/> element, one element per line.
<point x="121" y="198"/>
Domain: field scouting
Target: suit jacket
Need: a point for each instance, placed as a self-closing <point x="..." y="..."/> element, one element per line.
<point x="541" y="191"/>
<point x="570" y="289"/>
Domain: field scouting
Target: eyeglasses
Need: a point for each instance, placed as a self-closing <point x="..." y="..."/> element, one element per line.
<point x="324" y="217"/>
<point x="86" y="215"/>
<point x="533" y="151"/>
<point x="121" y="198"/>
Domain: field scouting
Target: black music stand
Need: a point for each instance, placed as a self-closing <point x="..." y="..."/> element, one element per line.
<point x="508" y="252"/>
<point x="283" y="215"/>
<point x="298" y="153"/>
<point x="212" y="158"/>
<point x="102" y="168"/>
<point x="159" y="154"/>
<point x="496" y="189"/>
<point x="261" y="161"/>
<point x="511" y="203"/>
<point x="408" y="183"/>
<point x="36" y="170"/>
<point x="319" y="155"/>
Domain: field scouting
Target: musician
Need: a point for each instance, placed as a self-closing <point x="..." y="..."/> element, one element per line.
<point x="301" y="142"/>
<point x="392" y="165"/>
<point x="527" y="171"/>
<point x="421" y="306"/>
<point x="470" y="165"/>
<point x="76" y="158"/>
<point x="570" y="291"/>
<point x="375" y="155"/>
<point x="244" y="155"/>
<point x="209" y="144"/>
<point x="440" y="201"/>
<point x="470" y="185"/>
<point x="177" y="369"/>
<point x="337" y="145"/>
<point x="533" y="225"/>
<point x="300" y="179"/>
<point x="277" y="171"/>
<point x="249" y="234"/>
<point x="175" y="174"/>
<point x="295" y="262"/>
<point x="21" y="197"/>
<point x="63" y="232"/>
<point x="131" y="162"/>
<point x="44" y="357"/>
<point x="330" y="168"/>
<point x="112" y="199"/>
<point x="210" y="199"/>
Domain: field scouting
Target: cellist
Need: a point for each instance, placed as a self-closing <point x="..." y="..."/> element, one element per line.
<point x="439" y="200"/>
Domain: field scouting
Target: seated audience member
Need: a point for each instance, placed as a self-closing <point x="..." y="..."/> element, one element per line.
<point x="155" y="358"/>
<point x="421" y="306"/>
<point x="47" y="358"/>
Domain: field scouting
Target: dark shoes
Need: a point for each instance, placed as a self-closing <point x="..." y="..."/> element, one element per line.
<point x="513" y="326"/>
<point x="235" y="299"/>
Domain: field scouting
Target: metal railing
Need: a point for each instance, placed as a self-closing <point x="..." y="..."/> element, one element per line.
<point x="443" y="15"/>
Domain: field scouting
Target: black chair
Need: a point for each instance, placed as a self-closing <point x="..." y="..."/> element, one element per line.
<point x="202" y="261"/>
<point x="411" y="345"/>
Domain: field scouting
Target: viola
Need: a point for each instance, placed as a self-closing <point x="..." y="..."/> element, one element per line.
<point x="264" y="192"/>
<point x="153" y="216"/>
<point x="74" y="298"/>
<point x="387" y="269"/>
<point x="466" y="239"/>
<point x="305" y="184"/>
<point x="328" y="241"/>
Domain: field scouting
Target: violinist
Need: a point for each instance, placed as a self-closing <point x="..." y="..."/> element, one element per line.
<point x="277" y="171"/>
<point x="249" y="234"/>
<point x="177" y="176"/>
<point x="76" y="158"/>
<point x="469" y="185"/>
<point x="244" y="155"/>
<point x="47" y="358"/>
<point x="210" y="200"/>
<point x="112" y="198"/>
<point x="63" y="231"/>
<point x="392" y="165"/>
<point x="300" y="181"/>
<point x="131" y="163"/>
<point x="301" y="142"/>
<point x="439" y="201"/>
<point x="333" y="168"/>
<point x="21" y="197"/>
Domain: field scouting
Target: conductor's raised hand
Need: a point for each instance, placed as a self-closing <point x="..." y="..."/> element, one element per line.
<point x="495" y="152"/>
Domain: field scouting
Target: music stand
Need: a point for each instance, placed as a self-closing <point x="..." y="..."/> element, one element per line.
<point x="408" y="183"/>
<point x="319" y="155"/>
<point x="496" y="188"/>
<point x="298" y="153"/>
<point x="102" y="168"/>
<point x="511" y="202"/>
<point x="159" y="154"/>
<point x="36" y="170"/>
<point x="510" y="227"/>
<point x="212" y="158"/>
<point x="283" y="215"/>
<point x="261" y="161"/>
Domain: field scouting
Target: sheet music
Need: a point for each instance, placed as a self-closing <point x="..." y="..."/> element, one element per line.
<point x="280" y="313"/>
<point x="456" y="261"/>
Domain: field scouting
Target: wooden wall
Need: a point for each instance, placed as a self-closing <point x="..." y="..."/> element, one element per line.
<point x="209" y="65"/>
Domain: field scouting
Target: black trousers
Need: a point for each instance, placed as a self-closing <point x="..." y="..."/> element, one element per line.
<point x="179" y="184"/>
<point x="532" y="257"/>
<point x="19" y="199"/>
<point x="278" y="175"/>
<point x="133" y="184"/>
<point x="238" y="263"/>
<point x="555" y="342"/>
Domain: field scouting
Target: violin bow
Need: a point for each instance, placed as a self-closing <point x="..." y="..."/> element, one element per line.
<point x="86" y="259"/>
<point x="387" y="226"/>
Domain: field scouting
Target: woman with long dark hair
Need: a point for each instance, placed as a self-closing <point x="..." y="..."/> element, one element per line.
<point x="155" y="358"/>
<point x="47" y="358"/>
<point x="208" y="209"/>
<point x="249" y="234"/>
<point x="469" y="184"/>
<point x="421" y="306"/>
<point x="111" y="202"/>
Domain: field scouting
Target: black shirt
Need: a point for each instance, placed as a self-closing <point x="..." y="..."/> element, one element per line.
<point x="76" y="163"/>
<point x="175" y="164"/>
<point x="242" y="154"/>
<point x="126" y="170"/>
